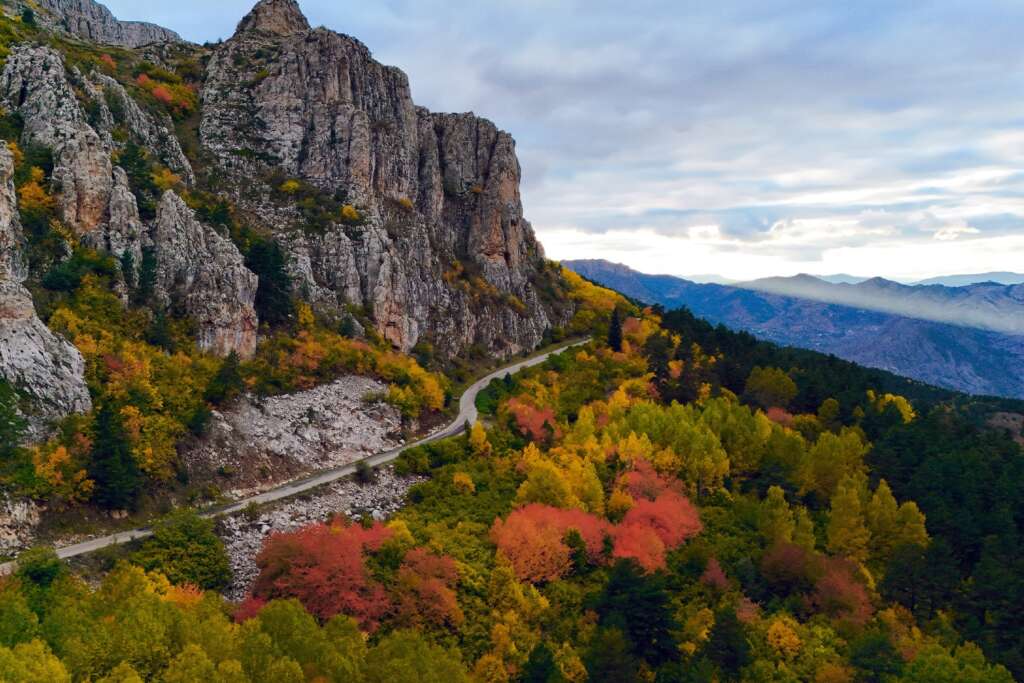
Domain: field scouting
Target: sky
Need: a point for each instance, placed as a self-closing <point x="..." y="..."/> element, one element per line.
<point x="742" y="139"/>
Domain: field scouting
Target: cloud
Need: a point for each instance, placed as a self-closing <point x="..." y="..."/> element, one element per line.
<point x="770" y="133"/>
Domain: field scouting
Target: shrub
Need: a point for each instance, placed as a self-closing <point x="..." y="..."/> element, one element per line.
<point x="185" y="549"/>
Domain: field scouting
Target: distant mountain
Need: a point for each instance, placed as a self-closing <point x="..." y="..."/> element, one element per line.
<point x="842" y="279"/>
<point x="963" y="358"/>
<point x="986" y="305"/>
<point x="1000" y="277"/>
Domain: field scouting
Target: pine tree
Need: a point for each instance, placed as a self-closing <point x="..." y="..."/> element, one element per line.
<point x="128" y="268"/>
<point x="12" y="426"/>
<point x="540" y="667"/>
<point x="727" y="644"/>
<point x="147" y="278"/>
<point x="847" y="533"/>
<point x="274" y="304"/>
<point x="112" y="466"/>
<point x="227" y="383"/>
<point x="615" y="332"/>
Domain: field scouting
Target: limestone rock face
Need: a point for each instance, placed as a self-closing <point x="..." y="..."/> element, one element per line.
<point x="442" y="252"/>
<point x="93" y="22"/>
<point x="46" y="369"/>
<point x="34" y="83"/>
<point x="203" y="274"/>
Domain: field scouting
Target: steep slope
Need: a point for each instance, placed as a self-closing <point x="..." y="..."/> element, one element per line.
<point x="433" y="242"/>
<point x="963" y="358"/>
<point x="984" y="305"/>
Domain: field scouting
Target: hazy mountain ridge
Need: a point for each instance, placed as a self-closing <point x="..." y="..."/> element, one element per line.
<point x="985" y="305"/>
<point x="963" y="358"/>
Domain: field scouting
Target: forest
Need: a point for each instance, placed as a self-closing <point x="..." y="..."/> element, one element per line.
<point x="671" y="502"/>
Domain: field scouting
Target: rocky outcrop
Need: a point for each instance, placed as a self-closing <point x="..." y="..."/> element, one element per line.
<point x="147" y="130"/>
<point x="47" y="370"/>
<point x="263" y="442"/>
<point x="93" y="22"/>
<point x="34" y="84"/>
<point x="203" y="275"/>
<point x="19" y="518"/>
<point x="442" y="251"/>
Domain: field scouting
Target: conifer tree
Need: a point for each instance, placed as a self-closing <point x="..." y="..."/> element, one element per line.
<point x="12" y="426"/>
<point x="113" y="467"/>
<point x="880" y="515"/>
<point x="615" y="332"/>
<point x="274" y="293"/>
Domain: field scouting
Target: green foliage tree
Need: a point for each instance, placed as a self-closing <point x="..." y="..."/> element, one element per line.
<point x="274" y="304"/>
<point x="228" y="383"/>
<point x="28" y="17"/>
<point x="769" y="387"/>
<point x="112" y="466"/>
<point x="185" y="549"/>
<point x="776" y="522"/>
<point x="137" y="166"/>
<point x="847" y="533"/>
<point x="407" y="656"/>
<point x="610" y="658"/>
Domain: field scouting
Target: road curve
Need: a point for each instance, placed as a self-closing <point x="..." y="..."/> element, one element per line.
<point x="467" y="413"/>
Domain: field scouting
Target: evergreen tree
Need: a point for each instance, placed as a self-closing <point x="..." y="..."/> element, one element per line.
<point x="803" y="530"/>
<point x="128" y="269"/>
<point x="28" y="17"/>
<point x="140" y="178"/>
<point x="274" y="294"/>
<point x="639" y="604"/>
<point x="12" y="426"/>
<point x="609" y="658"/>
<point x="147" y="278"/>
<point x="727" y="644"/>
<point x="112" y="465"/>
<point x="615" y="331"/>
<point x="159" y="332"/>
<point x="227" y="383"/>
<point x="541" y="667"/>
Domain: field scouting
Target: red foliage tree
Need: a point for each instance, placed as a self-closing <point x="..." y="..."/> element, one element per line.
<point x="839" y="594"/>
<point x="644" y="482"/>
<point x="533" y="539"/>
<point x="640" y="543"/>
<point x="536" y="423"/>
<point x="714" y="577"/>
<point x="790" y="568"/>
<point x="425" y="590"/>
<point x="323" y="567"/>
<point x="671" y="515"/>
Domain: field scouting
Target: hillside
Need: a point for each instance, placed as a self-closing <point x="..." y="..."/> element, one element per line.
<point x="963" y="358"/>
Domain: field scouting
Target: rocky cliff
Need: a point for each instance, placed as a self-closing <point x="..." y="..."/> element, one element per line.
<point x="93" y="22"/>
<point x="386" y="213"/>
<point x="46" y="369"/>
<point x="435" y="245"/>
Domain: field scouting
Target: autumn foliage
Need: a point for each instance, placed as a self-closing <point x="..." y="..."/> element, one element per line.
<point x="425" y="590"/>
<point x="323" y="566"/>
<point x="536" y="423"/>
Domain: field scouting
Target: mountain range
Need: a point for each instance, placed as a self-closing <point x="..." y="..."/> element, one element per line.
<point x="970" y="359"/>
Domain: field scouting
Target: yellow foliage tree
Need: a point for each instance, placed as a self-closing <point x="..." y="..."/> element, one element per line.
<point x="782" y="637"/>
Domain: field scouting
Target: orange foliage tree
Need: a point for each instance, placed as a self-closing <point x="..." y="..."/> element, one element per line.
<point x="533" y="539"/>
<point x="425" y="590"/>
<point x="323" y="566"/>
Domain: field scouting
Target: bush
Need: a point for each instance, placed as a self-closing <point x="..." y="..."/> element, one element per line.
<point x="186" y="550"/>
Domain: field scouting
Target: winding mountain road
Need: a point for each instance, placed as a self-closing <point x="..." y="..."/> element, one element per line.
<point x="467" y="413"/>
